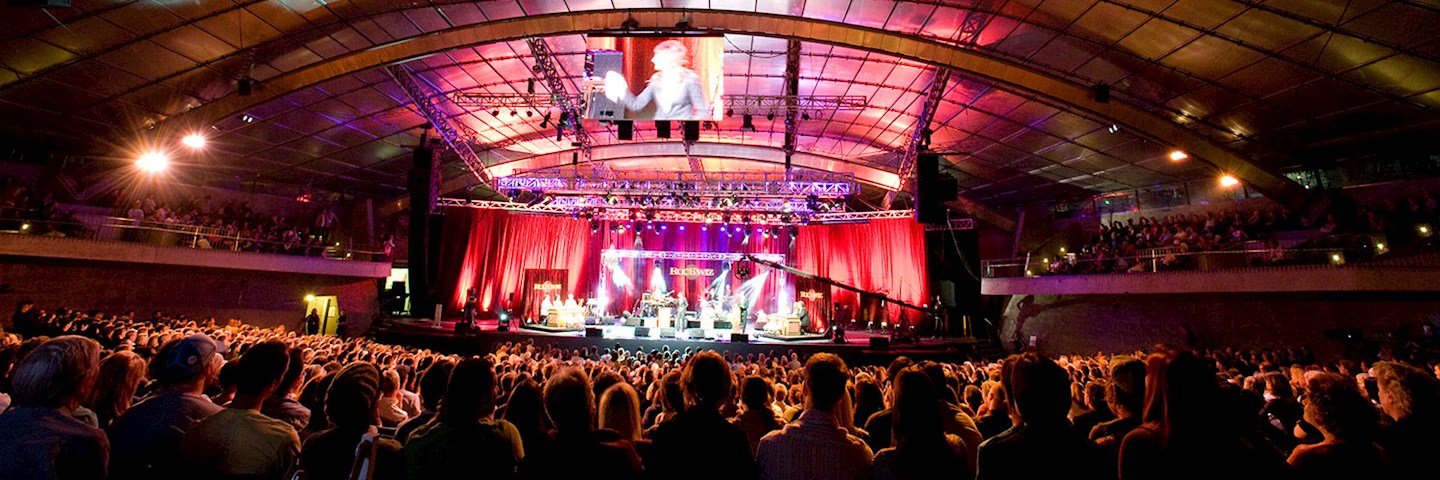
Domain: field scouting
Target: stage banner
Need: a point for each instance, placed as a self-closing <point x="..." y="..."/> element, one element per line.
<point x="815" y="296"/>
<point x="540" y="282"/>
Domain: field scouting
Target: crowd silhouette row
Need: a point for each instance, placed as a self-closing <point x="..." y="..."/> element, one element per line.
<point x="90" y="395"/>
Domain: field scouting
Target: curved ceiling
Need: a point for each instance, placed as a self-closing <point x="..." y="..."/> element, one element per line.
<point x="1269" y="80"/>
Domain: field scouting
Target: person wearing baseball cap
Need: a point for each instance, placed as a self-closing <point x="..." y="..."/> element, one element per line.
<point x="145" y="440"/>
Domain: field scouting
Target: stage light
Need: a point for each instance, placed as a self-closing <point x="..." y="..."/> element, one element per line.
<point x="730" y="112"/>
<point x="153" y="162"/>
<point x="1424" y="230"/>
<point x="1062" y="249"/>
<point x="24" y="226"/>
<point x="1113" y="129"/>
<point x="1178" y="155"/>
<point x="247" y="118"/>
<point x="194" y="140"/>
<point x="495" y="112"/>
<point x="1228" y="181"/>
<point x="770" y="116"/>
<point x="309" y="298"/>
<point x="702" y="228"/>
<point x="805" y="116"/>
<point x="682" y="228"/>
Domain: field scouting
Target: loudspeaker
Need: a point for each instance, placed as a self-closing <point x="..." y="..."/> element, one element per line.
<point x="739" y="338"/>
<point x="245" y="86"/>
<point x="692" y="130"/>
<point x="625" y="130"/>
<point x="694" y="333"/>
<point x="594" y="332"/>
<point x="424" y="182"/>
<point x="662" y="129"/>
<point x="1102" y="93"/>
<point x="880" y="342"/>
<point x="932" y="189"/>
<point x="667" y="333"/>
<point x="642" y="332"/>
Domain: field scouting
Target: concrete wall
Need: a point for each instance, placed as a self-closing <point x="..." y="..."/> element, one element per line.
<point x="258" y="297"/>
<point x="1076" y="324"/>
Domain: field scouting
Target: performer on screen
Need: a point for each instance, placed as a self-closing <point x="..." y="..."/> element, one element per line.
<point x="674" y="87"/>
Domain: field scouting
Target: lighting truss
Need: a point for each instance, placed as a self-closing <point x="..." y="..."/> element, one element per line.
<point x="680" y="184"/>
<point x="672" y="216"/>
<point x="539" y="101"/>
<point x="693" y="203"/>
<point x="569" y="105"/>
<point x="781" y="104"/>
<point x="614" y="253"/>
<point x="425" y="102"/>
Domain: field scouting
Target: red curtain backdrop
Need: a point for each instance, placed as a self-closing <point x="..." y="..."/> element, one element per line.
<point x="884" y="256"/>
<point x="491" y="250"/>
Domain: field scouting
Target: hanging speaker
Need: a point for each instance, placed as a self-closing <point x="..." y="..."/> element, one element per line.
<point x="662" y="129"/>
<point x="625" y="130"/>
<point x="1102" y="93"/>
<point x="692" y="130"/>
<point x="245" y="86"/>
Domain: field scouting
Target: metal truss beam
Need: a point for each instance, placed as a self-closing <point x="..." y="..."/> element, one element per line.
<point x="919" y="134"/>
<point x="540" y="101"/>
<point x="425" y="102"/>
<point x="779" y="104"/>
<point x="569" y="104"/>
<point x="694" y="203"/>
<point x="699" y="184"/>
<point x="792" y="101"/>
<point x="616" y="253"/>
<point x="669" y="216"/>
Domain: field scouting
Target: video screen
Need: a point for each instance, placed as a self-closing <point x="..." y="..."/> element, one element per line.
<point x="654" y="78"/>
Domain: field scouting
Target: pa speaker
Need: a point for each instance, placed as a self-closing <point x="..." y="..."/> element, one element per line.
<point x="1102" y="93"/>
<point x="667" y="333"/>
<point x="642" y="332"/>
<point x="594" y="332"/>
<point x="38" y="3"/>
<point x="932" y="189"/>
<point x="880" y="342"/>
<point x="245" y="86"/>
<point x="739" y="338"/>
<point x="662" y="129"/>
<point x="625" y="130"/>
<point x="692" y="130"/>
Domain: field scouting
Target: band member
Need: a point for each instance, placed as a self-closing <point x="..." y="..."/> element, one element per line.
<point x="804" y="315"/>
<point x="941" y="317"/>
<point x="472" y="303"/>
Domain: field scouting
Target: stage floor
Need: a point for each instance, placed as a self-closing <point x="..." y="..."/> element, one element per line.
<point x="427" y="334"/>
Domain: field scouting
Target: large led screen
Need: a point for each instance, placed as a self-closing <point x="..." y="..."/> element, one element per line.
<point x="654" y="78"/>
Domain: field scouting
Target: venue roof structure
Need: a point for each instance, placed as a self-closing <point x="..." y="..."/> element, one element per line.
<point x="1249" y="87"/>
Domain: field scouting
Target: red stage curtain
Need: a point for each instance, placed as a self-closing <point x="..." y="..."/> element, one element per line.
<point x="883" y="256"/>
<point x="491" y="249"/>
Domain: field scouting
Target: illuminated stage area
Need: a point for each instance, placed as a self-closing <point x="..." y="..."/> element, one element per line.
<point x="644" y="278"/>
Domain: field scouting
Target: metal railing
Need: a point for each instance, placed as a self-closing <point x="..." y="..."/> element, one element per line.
<point x="119" y="229"/>
<point x="1333" y="250"/>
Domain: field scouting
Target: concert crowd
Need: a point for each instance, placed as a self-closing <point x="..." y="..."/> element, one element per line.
<point x="90" y="395"/>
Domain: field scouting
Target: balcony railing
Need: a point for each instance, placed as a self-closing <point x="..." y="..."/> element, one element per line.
<point x="95" y="227"/>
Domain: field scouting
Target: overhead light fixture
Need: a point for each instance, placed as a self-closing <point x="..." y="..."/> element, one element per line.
<point x="805" y="116"/>
<point x="1113" y="128"/>
<point x="153" y="162"/>
<point x="630" y="23"/>
<point x="1228" y="181"/>
<point x="194" y="140"/>
<point x="245" y="86"/>
<point x="770" y="116"/>
<point x="495" y="112"/>
<point x="730" y="112"/>
<point x="1178" y="155"/>
<point x="684" y="23"/>
<point x="747" y="123"/>
<point x="247" y="118"/>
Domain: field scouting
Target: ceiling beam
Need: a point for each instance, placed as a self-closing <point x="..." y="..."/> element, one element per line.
<point x="978" y="63"/>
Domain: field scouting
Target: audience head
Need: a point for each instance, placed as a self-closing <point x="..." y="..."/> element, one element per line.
<point x="294" y="373"/>
<point x="1125" y="394"/>
<point x="918" y="419"/>
<point x="261" y="369"/>
<point x="672" y="394"/>
<point x="620" y="411"/>
<point x="1041" y="390"/>
<point x="706" y="381"/>
<point x="434" y="382"/>
<point x="569" y="402"/>
<point x="470" y="394"/>
<point x="57" y="374"/>
<point x="353" y="399"/>
<point x="120" y="375"/>
<point x="1406" y="392"/>
<point x="1334" y="404"/>
<point x="755" y="393"/>
<point x="825" y="377"/>
<point x="1183" y="395"/>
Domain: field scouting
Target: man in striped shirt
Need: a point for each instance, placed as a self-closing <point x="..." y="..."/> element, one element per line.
<point x="814" y="446"/>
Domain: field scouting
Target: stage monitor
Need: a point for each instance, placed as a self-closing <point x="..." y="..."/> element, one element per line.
<point x="654" y="78"/>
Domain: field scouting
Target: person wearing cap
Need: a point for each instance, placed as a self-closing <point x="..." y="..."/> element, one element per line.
<point x="239" y="441"/>
<point x="146" y="438"/>
<point x="39" y="438"/>
<point x="352" y="407"/>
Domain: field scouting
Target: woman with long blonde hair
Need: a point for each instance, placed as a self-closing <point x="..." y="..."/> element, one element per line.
<point x="120" y="376"/>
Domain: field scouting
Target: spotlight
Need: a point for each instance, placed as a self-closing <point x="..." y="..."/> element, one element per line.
<point x="1113" y="129"/>
<point x="153" y="162"/>
<point x="730" y="112"/>
<point x="495" y="112"/>
<point x="1178" y="155"/>
<point x="805" y="116"/>
<point x="247" y="118"/>
<point x="1228" y="181"/>
<point x="309" y="298"/>
<point x="194" y="140"/>
<point x="512" y="113"/>
<point x="770" y="116"/>
<point x="630" y="23"/>
<point x="684" y="23"/>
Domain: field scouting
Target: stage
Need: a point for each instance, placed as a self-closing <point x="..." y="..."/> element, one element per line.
<point x="858" y="346"/>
